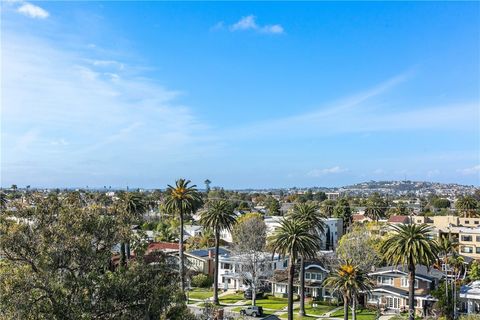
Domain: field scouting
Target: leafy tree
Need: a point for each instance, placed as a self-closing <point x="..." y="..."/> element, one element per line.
<point x="410" y="245"/>
<point x="182" y="199"/>
<point x="360" y="247"/>
<point x="56" y="264"/>
<point x="474" y="273"/>
<point x="249" y="236"/>
<point x="342" y="210"/>
<point x="443" y="293"/>
<point x="202" y="281"/>
<point x="308" y="213"/>
<point x="440" y="203"/>
<point x="166" y="231"/>
<point x="320" y="196"/>
<point x="273" y="206"/>
<point x="350" y="281"/>
<point x="467" y="205"/>
<point x="218" y="216"/>
<point x="293" y="238"/>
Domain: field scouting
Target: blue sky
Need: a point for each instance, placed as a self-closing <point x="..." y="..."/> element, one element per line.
<point x="245" y="94"/>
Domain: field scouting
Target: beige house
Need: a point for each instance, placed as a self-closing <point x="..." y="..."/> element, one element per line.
<point x="391" y="290"/>
<point x="469" y="242"/>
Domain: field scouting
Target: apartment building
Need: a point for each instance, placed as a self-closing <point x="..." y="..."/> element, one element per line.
<point x="469" y="242"/>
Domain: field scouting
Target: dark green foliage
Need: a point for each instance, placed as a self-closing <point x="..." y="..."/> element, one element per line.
<point x="202" y="281"/>
<point x="58" y="265"/>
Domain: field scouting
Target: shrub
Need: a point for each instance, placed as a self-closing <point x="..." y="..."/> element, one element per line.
<point x="202" y="281"/>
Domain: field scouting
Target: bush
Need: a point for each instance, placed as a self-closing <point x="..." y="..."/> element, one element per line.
<point x="202" y="281"/>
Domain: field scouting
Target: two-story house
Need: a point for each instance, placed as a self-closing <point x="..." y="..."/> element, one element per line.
<point x="315" y="274"/>
<point x="203" y="260"/>
<point x="391" y="290"/>
<point x="238" y="271"/>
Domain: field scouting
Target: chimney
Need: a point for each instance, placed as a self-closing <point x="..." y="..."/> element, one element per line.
<point x="210" y="254"/>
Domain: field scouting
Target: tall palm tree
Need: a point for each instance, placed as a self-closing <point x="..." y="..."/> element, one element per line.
<point x="467" y="205"/>
<point x="218" y="216"/>
<point x="349" y="280"/>
<point x="293" y="239"/>
<point x="314" y="220"/>
<point x="410" y="245"/>
<point x="182" y="199"/>
<point x="131" y="207"/>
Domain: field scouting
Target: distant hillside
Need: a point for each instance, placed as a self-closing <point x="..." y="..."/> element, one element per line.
<point x="404" y="187"/>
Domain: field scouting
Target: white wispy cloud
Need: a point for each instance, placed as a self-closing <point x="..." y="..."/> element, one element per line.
<point x="32" y="11"/>
<point x="249" y="23"/>
<point x="475" y="170"/>
<point x="326" y="171"/>
<point x="360" y="113"/>
<point x="81" y="111"/>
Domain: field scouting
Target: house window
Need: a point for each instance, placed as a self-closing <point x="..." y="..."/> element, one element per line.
<point x="475" y="222"/>
<point x="466" y="238"/>
<point x="478" y="238"/>
<point x="385" y="280"/>
<point x="467" y="221"/>
<point x="466" y="249"/>
<point x="226" y="266"/>
<point x="405" y="283"/>
<point x="477" y="250"/>
<point x="307" y="275"/>
<point x="285" y="263"/>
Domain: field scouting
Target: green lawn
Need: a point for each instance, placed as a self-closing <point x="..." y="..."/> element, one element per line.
<point x="362" y="314"/>
<point x="312" y="313"/>
<point x="231" y="298"/>
<point x="271" y="302"/>
<point x="200" y="293"/>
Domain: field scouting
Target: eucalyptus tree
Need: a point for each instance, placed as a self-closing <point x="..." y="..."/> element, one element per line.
<point x="219" y="216"/>
<point x="307" y="212"/>
<point x="410" y="245"/>
<point x="294" y="239"/>
<point x="181" y="199"/>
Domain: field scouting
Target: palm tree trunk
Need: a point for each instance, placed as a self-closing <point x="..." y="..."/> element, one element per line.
<point x="215" y="274"/>
<point x="302" y="287"/>
<point x="354" y="308"/>
<point x="411" y="291"/>
<point x="181" y="262"/>
<point x="291" y="274"/>
<point x="345" y="307"/>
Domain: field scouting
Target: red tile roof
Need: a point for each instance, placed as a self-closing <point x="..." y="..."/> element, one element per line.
<point x="359" y="217"/>
<point x="398" y="219"/>
<point x="162" y="246"/>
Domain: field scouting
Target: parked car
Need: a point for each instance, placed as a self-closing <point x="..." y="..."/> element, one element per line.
<point x="253" y="311"/>
<point x="248" y="294"/>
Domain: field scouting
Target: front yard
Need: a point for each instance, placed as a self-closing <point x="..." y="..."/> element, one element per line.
<point x="362" y="314"/>
<point x="200" y="293"/>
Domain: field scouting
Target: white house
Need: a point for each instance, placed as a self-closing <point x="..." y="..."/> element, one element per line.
<point x="470" y="298"/>
<point x="234" y="270"/>
<point x="332" y="233"/>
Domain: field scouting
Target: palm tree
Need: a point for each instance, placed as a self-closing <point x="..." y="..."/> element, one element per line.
<point x="376" y="207"/>
<point x="293" y="239"/>
<point x="307" y="212"/>
<point x="182" y="199"/>
<point x="218" y="216"/>
<point x="207" y="186"/>
<point x="349" y="280"/>
<point x="131" y="207"/>
<point x="410" y="245"/>
<point x="467" y="205"/>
